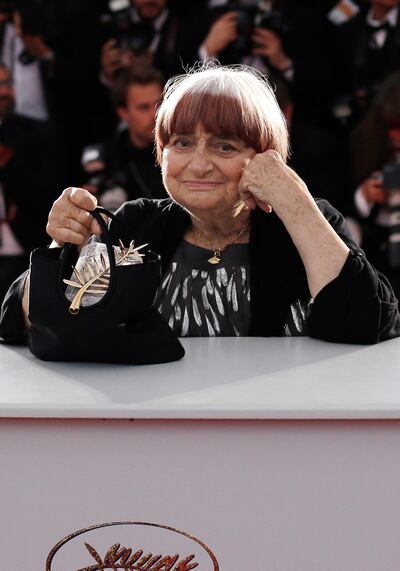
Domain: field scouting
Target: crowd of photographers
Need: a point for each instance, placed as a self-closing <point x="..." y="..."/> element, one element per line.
<point x="80" y="82"/>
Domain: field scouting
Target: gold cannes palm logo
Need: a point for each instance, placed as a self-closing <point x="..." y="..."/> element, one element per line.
<point x="131" y="546"/>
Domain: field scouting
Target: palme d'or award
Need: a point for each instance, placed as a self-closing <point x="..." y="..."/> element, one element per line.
<point x="94" y="276"/>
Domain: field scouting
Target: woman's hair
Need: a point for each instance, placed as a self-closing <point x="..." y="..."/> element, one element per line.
<point x="231" y="101"/>
<point x="369" y="143"/>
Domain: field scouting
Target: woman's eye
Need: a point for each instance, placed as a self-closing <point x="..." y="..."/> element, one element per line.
<point x="181" y="143"/>
<point x="225" y="147"/>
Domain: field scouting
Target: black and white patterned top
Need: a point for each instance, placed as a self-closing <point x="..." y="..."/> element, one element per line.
<point x="199" y="299"/>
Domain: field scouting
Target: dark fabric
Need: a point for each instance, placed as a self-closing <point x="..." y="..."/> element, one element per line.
<point x="12" y="324"/>
<point x="10" y="268"/>
<point x="357" y="307"/>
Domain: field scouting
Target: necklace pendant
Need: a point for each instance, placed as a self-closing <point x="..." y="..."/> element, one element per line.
<point x="216" y="258"/>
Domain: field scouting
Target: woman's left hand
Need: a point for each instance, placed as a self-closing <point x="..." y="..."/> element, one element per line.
<point x="267" y="182"/>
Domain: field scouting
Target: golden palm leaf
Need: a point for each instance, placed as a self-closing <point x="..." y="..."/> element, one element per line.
<point x="94" y="277"/>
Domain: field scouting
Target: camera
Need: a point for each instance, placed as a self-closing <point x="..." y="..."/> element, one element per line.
<point x="252" y="14"/>
<point x="391" y="184"/>
<point x="133" y="36"/>
<point x="109" y="191"/>
<point x="391" y="176"/>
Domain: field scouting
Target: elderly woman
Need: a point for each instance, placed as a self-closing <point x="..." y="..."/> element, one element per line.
<point x="245" y="248"/>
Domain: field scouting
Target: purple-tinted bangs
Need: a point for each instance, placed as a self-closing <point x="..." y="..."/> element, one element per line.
<point x="217" y="113"/>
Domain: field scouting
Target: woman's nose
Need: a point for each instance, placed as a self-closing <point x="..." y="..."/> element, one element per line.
<point x="201" y="162"/>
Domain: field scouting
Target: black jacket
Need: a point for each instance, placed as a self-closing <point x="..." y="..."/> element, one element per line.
<point x="357" y="307"/>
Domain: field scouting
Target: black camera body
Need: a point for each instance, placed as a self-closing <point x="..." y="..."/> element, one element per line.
<point x="110" y="190"/>
<point x="391" y="176"/>
<point x="130" y="35"/>
<point x="252" y="14"/>
<point x="94" y="164"/>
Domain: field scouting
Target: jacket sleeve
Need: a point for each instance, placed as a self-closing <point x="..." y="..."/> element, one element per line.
<point x="12" y="324"/>
<point x="359" y="305"/>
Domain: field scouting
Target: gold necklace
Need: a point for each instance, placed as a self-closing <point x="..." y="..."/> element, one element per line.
<point x="216" y="257"/>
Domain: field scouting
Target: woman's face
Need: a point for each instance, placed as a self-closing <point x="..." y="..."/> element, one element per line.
<point x="201" y="171"/>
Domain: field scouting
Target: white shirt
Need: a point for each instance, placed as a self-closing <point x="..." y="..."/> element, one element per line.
<point x="30" y="98"/>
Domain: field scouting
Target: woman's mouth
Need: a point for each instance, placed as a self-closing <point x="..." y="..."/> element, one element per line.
<point x="201" y="184"/>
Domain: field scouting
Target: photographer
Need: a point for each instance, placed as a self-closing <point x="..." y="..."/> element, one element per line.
<point x="376" y="168"/>
<point x="146" y="30"/>
<point x="125" y="168"/>
<point x="51" y="48"/>
<point x="251" y="33"/>
<point x="367" y="48"/>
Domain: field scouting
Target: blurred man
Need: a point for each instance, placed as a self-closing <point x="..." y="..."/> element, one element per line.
<point x="125" y="168"/>
<point x="31" y="176"/>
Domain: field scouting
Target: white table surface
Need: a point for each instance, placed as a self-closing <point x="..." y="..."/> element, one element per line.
<point x="226" y="378"/>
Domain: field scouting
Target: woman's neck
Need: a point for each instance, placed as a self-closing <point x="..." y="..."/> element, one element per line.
<point x="218" y="228"/>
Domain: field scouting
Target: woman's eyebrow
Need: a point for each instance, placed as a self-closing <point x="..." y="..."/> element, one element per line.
<point x="228" y="138"/>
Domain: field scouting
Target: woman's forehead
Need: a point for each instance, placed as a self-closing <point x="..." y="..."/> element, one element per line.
<point x="200" y="132"/>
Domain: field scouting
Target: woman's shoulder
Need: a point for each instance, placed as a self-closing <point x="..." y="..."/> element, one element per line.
<point x="143" y="210"/>
<point x="143" y="218"/>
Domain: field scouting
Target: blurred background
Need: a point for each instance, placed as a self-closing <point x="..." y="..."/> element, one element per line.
<point x="80" y="82"/>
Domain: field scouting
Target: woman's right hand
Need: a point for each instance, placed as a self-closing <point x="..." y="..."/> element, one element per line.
<point x="70" y="219"/>
<point x="372" y="188"/>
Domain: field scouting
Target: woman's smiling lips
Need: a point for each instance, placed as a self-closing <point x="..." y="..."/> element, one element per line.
<point x="201" y="184"/>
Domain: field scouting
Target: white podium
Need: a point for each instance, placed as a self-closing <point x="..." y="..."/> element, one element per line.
<point x="275" y="454"/>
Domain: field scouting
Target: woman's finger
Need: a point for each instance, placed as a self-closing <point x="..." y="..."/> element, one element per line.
<point x="264" y="206"/>
<point x="62" y="235"/>
<point x="77" y="227"/>
<point x="82" y="198"/>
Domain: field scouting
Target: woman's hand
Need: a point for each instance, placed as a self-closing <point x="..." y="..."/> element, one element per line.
<point x="267" y="182"/>
<point x="70" y="220"/>
<point x="372" y="189"/>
